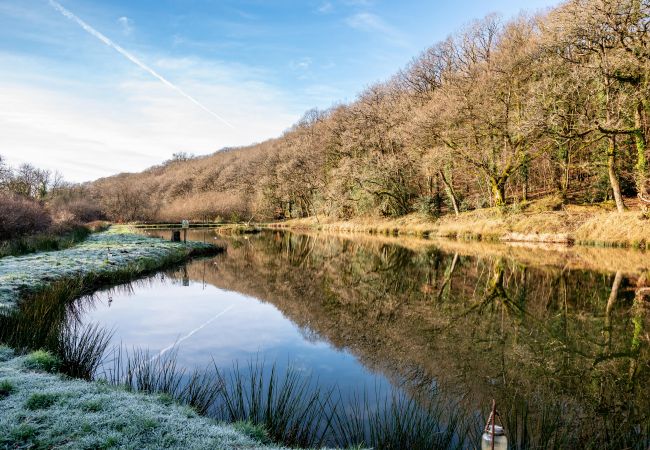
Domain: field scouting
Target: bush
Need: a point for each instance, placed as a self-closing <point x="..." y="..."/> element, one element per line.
<point x="21" y="216"/>
<point x="83" y="210"/>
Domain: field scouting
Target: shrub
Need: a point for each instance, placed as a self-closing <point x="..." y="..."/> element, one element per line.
<point x="84" y="210"/>
<point x="43" y="361"/>
<point x="21" y="216"/>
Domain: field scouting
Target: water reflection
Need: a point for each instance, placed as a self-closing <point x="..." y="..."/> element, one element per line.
<point x="483" y="323"/>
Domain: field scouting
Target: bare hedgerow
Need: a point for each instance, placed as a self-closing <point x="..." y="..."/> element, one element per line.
<point x="21" y="216"/>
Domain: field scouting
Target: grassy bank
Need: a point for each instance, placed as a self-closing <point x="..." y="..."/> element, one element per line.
<point x="584" y="225"/>
<point x="45" y="410"/>
<point x="43" y="401"/>
<point x="50" y="241"/>
<point x="111" y="256"/>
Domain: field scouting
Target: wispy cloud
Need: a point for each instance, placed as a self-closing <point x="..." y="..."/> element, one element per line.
<point x="301" y="64"/>
<point x="358" y="2"/>
<point x="372" y="23"/>
<point x="325" y="8"/>
<point x="92" y="31"/>
<point x="126" y="24"/>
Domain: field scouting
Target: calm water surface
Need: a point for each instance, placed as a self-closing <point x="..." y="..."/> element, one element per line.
<point x="563" y="330"/>
<point x="180" y="310"/>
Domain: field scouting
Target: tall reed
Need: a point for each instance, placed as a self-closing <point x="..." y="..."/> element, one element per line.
<point x="293" y="409"/>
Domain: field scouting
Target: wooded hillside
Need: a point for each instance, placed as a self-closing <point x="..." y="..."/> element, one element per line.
<point x="497" y="114"/>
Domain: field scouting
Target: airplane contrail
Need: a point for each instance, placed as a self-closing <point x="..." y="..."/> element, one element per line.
<point x="133" y="59"/>
<point x="188" y="335"/>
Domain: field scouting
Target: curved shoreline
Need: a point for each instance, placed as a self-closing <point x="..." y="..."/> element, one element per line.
<point x="107" y="257"/>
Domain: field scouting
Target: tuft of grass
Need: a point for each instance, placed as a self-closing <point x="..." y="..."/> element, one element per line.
<point x="43" y="361"/>
<point x="141" y="371"/>
<point x="400" y="421"/>
<point x="6" y="353"/>
<point x="253" y="431"/>
<point x="6" y="388"/>
<point x="93" y="406"/>
<point x="40" y="401"/>
<point x="18" y="436"/>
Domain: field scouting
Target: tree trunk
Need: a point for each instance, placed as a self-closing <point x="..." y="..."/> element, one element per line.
<point x="498" y="187"/>
<point x="564" y="156"/>
<point x="450" y="192"/>
<point x="567" y="174"/>
<point x="525" y="172"/>
<point x="613" y="176"/>
<point x="613" y="295"/>
<point x="639" y="139"/>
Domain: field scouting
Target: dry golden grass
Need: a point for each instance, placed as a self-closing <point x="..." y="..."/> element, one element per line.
<point x="586" y="225"/>
<point x="618" y="229"/>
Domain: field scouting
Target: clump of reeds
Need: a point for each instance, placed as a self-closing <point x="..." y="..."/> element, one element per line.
<point x="292" y="408"/>
<point x="396" y="420"/>
<point x="159" y="374"/>
<point x="81" y="349"/>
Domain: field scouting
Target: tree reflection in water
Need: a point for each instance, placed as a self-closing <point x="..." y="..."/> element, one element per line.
<point x="552" y="343"/>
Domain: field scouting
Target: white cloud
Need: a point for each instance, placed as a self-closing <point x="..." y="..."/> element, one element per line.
<point x="126" y="24"/>
<point x="301" y="64"/>
<point x="94" y="113"/>
<point x="137" y="61"/>
<point x="132" y="123"/>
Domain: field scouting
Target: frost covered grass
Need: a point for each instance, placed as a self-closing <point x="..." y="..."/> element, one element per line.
<point x="43" y="410"/>
<point x="37" y="292"/>
<point x="112" y="256"/>
<point x="50" y="241"/>
<point x="288" y="407"/>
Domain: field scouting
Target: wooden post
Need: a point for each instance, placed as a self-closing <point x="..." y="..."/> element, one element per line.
<point x="185" y="224"/>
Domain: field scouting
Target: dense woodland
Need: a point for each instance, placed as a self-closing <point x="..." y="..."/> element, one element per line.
<point x="498" y="114"/>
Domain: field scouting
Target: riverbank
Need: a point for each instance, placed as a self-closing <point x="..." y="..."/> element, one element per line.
<point x="41" y="409"/>
<point x="45" y="410"/>
<point x="111" y="256"/>
<point x="581" y="225"/>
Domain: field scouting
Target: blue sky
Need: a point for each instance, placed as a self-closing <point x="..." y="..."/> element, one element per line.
<point x="74" y="104"/>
